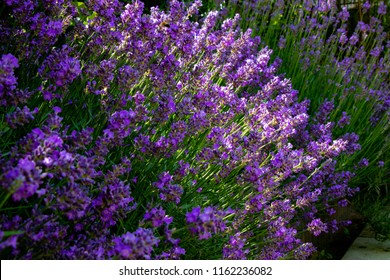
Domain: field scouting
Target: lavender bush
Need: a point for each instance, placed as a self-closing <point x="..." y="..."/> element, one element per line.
<point x="127" y="135"/>
<point x="334" y="55"/>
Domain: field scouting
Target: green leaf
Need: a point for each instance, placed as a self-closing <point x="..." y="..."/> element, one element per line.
<point x="80" y="5"/>
<point x="12" y="233"/>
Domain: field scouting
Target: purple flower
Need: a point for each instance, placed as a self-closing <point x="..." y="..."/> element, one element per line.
<point x="304" y="251"/>
<point x="173" y="254"/>
<point x="114" y="200"/>
<point x="366" y="6"/>
<point x="11" y="241"/>
<point x="363" y="27"/>
<point x="344" y="14"/>
<point x="324" y="111"/>
<point x="168" y="191"/>
<point x="324" y="6"/>
<point x="382" y="8"/>
<point x="8" y="81"/>
<point x="343" y="203"/>
<point x="353" y="39"/>
<point x="316" y="226"/>
<point x="282" y="43"/>
<point x="157" y="217"/>
<point x="51" y="29"/>
<point x="207" y="222"/>
<point x="343" y="39"/>
<point x="344" y="120"/>
<point x="360" y="54"/>
<point x="60" y="67"/>
<point x="234" y="249"/>
<point x="23" y="180"/>
<point x="9" y="62"/>
<point x="137" y="245"/>
<point x="363" y="163"/>
<point x="376" y="51"/>
<point x="21" y="117"/>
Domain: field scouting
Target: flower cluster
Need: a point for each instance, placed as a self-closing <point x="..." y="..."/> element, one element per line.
<point x="207" y="222"/>
<point x="137" y="245"/>
<point x="168" y="192"/>
<point x="345" y="59"/>
<point x="234" y="250"/>
<point x="337" y="56"/>
<point x="8" y="81"/>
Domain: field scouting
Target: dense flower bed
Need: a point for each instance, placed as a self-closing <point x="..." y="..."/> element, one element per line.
<point x="337" y="55"/>
<point x="156" y="136"/>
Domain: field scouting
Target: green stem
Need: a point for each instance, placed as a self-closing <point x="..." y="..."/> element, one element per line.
<point x="7" y="196"/>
